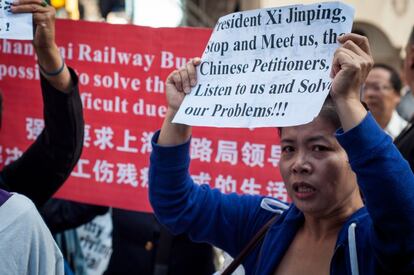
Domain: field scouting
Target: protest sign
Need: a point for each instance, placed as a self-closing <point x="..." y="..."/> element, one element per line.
<point x="123" y="93"/>
<point x="267" y="67"/>
<point x="95" y="241"/>
<point x="14" y="26"/>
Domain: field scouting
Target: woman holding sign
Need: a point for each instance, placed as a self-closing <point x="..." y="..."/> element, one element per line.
<point x="329" y="228"/>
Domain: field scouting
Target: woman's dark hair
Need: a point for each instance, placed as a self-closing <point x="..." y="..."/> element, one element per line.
<point x="328" y="112"/>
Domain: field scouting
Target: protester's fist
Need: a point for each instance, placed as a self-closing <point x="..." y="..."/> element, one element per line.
<point x="43" y="18"/>
<point x="179" y="83"/>
<point x="351" y="65"/>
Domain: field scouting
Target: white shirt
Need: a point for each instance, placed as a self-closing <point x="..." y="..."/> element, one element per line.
<point x="27" y="246"/>
<point x="396" y="125"/>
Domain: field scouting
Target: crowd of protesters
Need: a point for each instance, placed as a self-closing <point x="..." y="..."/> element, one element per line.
<point x="348" y="173"/>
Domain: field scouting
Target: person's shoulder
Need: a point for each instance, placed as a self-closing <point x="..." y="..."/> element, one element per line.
<point x="19" y="212"/>
<point x="22" y="201"/>
<point x="19" y="205"/>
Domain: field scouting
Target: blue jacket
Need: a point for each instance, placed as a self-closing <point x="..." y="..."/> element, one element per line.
<point x="376" y="239"/>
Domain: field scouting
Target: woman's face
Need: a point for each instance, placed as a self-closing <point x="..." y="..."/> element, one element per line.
<point x="315" y="168"/>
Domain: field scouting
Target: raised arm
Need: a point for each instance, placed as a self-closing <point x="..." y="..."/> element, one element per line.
<point x="178" y="84"/>
<point x="351" y="65"/>
<point x="52" y="66"/>
<point x="203" y="213"/>
<point x="44" y="167"/>
<point x="384" y="177"/>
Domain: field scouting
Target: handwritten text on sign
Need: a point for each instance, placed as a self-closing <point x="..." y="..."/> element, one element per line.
<point x="267" y="67"/>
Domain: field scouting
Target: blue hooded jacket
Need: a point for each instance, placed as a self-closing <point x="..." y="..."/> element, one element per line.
<point x="376" y="239"/>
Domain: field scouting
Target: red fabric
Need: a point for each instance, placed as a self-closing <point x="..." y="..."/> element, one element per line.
<point x="114" y="80"/>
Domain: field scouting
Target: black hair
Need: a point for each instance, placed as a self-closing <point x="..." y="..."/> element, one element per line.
<point x="328" y="112"/>
<point x="394" y="76"/>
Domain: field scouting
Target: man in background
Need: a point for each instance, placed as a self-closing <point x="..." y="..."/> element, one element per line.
<point x="381" y="93"/>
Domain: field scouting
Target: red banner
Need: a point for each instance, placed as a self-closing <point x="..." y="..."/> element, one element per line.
<point x="122" y="69"/>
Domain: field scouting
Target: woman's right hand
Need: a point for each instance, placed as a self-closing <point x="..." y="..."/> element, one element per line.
<point x="179" y="83"/>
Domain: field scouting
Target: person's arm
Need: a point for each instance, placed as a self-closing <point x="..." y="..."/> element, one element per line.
<point x="351" y="65"/>
<point x="384" y="177"/>
<point x="178" y="84"/>
<point x="47" y="163"/>
<point x="45" y="166"/>
<point x="52" y="66"/>
<point x="387" y="184"/>
<point x="227" y="221"/>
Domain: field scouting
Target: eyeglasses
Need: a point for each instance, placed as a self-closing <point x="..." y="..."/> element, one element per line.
<point x="375" y="87"/>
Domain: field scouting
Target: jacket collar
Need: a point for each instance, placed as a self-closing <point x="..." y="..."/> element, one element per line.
<point x="283" y="231"/>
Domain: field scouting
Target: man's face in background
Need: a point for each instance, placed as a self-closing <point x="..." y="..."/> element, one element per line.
<point x="379" y="94"/>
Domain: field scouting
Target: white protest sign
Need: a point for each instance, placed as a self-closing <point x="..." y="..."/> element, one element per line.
<point x="95" y="239"/>
<point x="15" y="26"/>
<point x="267" y="67"/>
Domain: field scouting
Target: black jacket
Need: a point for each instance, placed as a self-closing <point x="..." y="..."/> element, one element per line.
<point x="135" y="243"/>
<point x="405" y="143"/>
<point x="135" y="240"/>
